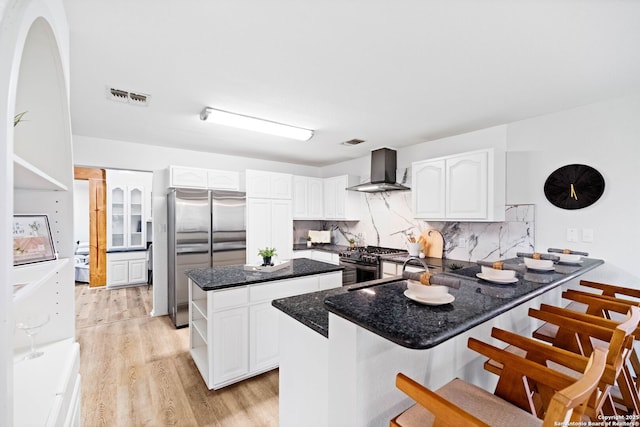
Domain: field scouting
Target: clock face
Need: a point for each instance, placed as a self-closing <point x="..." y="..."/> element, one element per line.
<point x="574" y="186"/>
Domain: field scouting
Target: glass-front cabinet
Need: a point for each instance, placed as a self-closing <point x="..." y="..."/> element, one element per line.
<point x="126" y="226"/>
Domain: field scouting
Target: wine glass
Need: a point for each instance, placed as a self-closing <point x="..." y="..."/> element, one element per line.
<point x="31" y="326"/>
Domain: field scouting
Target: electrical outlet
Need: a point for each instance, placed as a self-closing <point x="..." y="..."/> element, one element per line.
<point x="572" y="234"/>
<point x="462" y="242"/>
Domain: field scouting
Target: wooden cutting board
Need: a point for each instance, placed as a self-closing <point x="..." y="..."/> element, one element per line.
<point x="432" y="243"/>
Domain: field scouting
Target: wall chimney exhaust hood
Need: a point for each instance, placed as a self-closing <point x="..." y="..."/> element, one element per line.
<point x="383" y="173"/>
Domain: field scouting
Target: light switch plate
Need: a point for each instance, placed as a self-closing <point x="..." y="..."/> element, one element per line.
<point x="587" y="234"/>
<point x="572" y="234"/>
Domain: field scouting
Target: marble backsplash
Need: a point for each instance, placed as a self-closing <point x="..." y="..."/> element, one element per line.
<point x="388" y="221"/>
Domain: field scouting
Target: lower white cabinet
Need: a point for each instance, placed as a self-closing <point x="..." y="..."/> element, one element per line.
<point x="391" y="269"/>
<point x="230" y="333"/>
<point x="126" y="268"/>
<point x="234" y="333"/>
<point x="263" y="336"/>
<point x="329" y="257"/>
<point x="56" y="400"/>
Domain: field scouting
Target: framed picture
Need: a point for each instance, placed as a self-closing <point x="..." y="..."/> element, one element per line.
<point x="32" y="240"/>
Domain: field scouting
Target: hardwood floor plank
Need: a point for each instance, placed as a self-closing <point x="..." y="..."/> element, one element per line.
<point x="137" y="370"/>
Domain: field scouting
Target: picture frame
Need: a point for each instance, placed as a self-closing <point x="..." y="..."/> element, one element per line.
<point x="32" y="240"/>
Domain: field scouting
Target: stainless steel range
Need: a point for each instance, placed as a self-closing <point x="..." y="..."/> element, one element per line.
<point x="362" y="264"/>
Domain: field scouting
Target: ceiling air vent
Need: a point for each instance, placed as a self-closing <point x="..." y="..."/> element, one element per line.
<point x="353" y="142"/>
<point x="126" y="97"/>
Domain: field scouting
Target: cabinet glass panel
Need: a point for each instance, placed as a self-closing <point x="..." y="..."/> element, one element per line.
<point x="135" y="217"/>
<point x="117" y="217"/>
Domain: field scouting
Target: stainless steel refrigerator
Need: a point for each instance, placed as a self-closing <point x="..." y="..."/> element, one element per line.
<point x="205" y="228"/>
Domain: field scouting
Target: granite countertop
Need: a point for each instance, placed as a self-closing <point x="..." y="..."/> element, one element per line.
<point x="381" y="307"/>
<point x="309" y="308"/>
<point x="385" y="311"/>
<point x="229" y="276"/>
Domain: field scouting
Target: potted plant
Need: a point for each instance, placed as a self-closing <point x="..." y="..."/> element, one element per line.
<point x="308" y="241"/>
<point x="266" y="255"/>
<point x="352" y="242"/>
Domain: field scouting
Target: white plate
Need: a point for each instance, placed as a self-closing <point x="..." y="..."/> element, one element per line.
<point x="495" y="280"/>
<point x="571" y="262"/>
<point x="541" y="269"/>
<point x="444" y="299"/>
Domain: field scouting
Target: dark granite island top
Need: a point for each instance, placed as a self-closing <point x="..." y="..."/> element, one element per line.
<point x="229" y="276"/>
<point x="385" y="311"/>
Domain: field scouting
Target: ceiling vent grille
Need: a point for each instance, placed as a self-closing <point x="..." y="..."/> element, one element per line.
<point x="119" y="95"/>
<point x="353" y="142"/>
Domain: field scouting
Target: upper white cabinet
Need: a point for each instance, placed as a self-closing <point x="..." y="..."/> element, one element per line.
<point x="465" y="187"/>
<point x="128" y="209"/>
<point x="308" y="201"/>
<point x="269" y="185"/>
<point x="339" y="203"/>
<point x="188" y="177"/>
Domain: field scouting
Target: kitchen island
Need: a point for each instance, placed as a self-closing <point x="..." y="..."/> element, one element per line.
<point x="375" y="332"/>
<point x="233" y="328"/>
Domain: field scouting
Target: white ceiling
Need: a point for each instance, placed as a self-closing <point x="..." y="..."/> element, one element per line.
<point x="393" y="73"/>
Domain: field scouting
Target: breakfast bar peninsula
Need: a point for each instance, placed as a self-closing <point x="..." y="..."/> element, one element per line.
<point x="338" y="365"/>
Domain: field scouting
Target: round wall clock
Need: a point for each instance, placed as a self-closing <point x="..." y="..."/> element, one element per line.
<point x="574" y="186"/>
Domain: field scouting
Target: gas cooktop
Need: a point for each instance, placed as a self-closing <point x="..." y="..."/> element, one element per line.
<point x="368" y="254"/>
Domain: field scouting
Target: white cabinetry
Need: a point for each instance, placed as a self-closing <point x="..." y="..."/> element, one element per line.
<point x="308" y="200"/>
<point x="269" y="214"/>
<point x="128" y="209"/>
<point x="188" y="177"/>
<point x="268" y="185"/>
<point x="464" y="187"/>
<point x="38" y="178"/>
<point x="126" y="268"/>
<point x="340" y="203"/>
<point x="269" y="224"/>
<point x="391" y="269"/>
<point x="234" y="333"/>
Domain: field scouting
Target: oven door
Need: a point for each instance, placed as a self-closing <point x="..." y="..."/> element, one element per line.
<point x="355" y="272"/>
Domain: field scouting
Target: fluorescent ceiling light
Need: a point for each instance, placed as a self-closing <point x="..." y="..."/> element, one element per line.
<point x="254" y="124"/>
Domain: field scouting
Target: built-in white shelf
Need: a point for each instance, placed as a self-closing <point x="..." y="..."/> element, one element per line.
<point x="41" y="386"/>
<point x="28" y="177"/>
<point x="201" y="306"/>
<point x="28" y="278"/>
<point x="200" y="326"/>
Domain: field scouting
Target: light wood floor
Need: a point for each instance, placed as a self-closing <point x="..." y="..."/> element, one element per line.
<point x="136" y="370"/>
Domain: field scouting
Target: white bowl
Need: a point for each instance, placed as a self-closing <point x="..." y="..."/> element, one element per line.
<point x="492" y="273"/>
<point x="538" y="264"/>
<point x="569" y="257"/>
<point x="426" y="291"/>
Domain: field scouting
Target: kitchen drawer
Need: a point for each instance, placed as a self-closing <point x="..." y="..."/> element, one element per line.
<point x="282" y="289"/>
<point x="230" y="298"/>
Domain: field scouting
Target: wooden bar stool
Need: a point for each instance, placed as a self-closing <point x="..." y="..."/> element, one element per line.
<point x="461" y="404"/>
<point x="579" y="333"/>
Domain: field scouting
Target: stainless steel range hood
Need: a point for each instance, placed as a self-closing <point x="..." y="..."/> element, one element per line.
<point x="383" y="173"/>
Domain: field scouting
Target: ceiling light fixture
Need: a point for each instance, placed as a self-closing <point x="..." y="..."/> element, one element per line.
<point x="254" y="124"/>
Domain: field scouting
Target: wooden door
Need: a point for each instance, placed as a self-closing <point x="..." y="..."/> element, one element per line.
<point x="97" y="223"/>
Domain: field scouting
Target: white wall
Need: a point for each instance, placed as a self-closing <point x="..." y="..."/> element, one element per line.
<point x="606" y="136"/>
<point x="80" y="211"/>
<point x="108" y="153"/>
